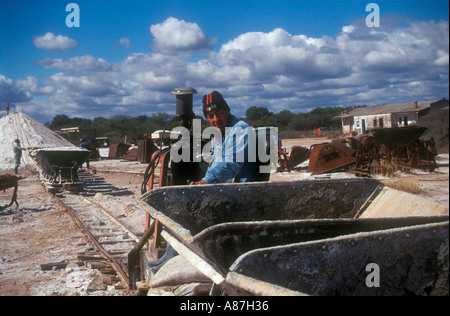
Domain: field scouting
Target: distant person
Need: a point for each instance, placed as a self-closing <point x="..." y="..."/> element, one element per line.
<point x="17" y="149"/>
<point x="7" y="108"/>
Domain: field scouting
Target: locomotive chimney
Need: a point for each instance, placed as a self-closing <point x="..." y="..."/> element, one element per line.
<point x="184" y="104"/>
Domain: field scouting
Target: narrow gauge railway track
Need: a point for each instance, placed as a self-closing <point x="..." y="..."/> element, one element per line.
<point x="111" y="239"/>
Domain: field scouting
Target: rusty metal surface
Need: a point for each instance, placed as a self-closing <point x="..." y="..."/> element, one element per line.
<point x="118" y="150"/>
<point x="398" y="134"/>
<point x="297" y="155"/>
<point x="386" y="150"/>
<point x="330" y="156"/>
<point x="411" y="261"/>
<point x="382" y="151"/>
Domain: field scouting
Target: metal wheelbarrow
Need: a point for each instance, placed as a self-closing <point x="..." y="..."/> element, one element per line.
<point x="215" y="226"/>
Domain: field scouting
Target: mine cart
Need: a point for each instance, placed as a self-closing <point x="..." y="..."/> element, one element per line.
<point x="58" y="167"/>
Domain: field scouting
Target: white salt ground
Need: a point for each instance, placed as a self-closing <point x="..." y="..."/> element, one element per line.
<point x="31" y="134"/>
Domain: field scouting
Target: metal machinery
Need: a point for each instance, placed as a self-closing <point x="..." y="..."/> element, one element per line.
<point x="287" y="161"/>
<point x="330" y="156"/>
<point x="179" y="172"/>
<point x="387" y="150"/>
<point x="382" y="151"/>
<point x="170" y="173"/>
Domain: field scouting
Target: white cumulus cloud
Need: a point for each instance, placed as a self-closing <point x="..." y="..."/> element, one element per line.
<point x="77" y="63"/>
<point x="125" y="42"/>
<point x="55" y="43"/>
<point x="276" y="69"/>
<point x="178" y="36"/>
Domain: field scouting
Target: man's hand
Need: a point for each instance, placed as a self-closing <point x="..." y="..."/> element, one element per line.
<point x="198" y="182"/>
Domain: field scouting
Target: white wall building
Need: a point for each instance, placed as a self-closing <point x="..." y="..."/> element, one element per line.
<point x="360" y="120"/>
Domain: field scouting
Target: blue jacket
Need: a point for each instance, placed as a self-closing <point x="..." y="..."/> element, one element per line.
<point x="229" y="163"/>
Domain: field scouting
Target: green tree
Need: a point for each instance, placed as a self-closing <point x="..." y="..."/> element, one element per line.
<point x="284" y="118"/>
<point x="60" y="121"/>
<point x="255" y="113"/>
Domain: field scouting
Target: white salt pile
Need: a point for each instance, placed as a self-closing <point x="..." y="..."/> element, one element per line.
<point x="31" y="134"/>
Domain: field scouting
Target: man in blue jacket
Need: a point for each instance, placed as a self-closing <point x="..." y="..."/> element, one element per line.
<point x="231" y="154"/>
<point x="231" y="161"/>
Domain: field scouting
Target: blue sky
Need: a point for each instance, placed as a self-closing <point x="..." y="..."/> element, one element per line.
<point x="127" y="56"/>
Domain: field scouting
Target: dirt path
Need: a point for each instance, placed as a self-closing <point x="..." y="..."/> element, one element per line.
<point x="36" y="233"/>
